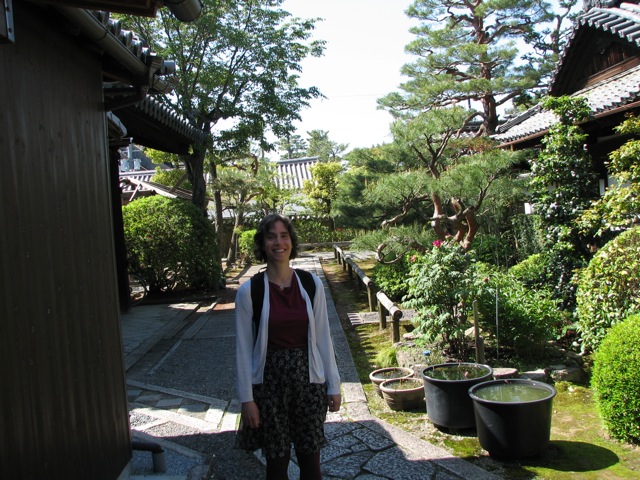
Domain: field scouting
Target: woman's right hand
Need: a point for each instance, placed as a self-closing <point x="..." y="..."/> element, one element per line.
<point x="251" y="414"/>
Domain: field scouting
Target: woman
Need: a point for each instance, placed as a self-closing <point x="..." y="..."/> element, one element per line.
<point x="287" y="375"/>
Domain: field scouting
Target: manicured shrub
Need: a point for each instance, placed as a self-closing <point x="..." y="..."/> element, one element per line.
<point x="245" y="246"/>
<point x="609" y="288"/>
<point x="171" y="243"/>
<point x="311" y="230"/>
<point x="616" y="382"/>
<point x="318" y="230"/>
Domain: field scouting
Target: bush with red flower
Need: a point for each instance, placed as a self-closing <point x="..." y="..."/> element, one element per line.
<point x="441" y="290"/>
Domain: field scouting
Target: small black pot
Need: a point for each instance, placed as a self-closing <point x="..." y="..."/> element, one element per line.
<point x="448" y="401"/>
<point x="513" y="424"/>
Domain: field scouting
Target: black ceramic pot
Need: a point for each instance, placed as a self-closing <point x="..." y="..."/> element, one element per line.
<point x="513" y="416"/>
<point x="446" y="389"/>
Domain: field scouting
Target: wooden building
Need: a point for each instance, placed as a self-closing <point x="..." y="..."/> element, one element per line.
<point x="73" y="87"/>
<point x="600" y="63"/>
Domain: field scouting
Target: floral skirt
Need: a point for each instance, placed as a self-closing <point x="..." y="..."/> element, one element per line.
<point x="292" y="410"/>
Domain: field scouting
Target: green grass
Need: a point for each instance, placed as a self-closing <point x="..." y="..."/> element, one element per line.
<point x="579" y="447"/>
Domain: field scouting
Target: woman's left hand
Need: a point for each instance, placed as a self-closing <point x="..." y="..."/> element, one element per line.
<point x="334" y="402"/>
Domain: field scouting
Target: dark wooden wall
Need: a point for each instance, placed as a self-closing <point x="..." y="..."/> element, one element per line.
<point x="63" y="407"/>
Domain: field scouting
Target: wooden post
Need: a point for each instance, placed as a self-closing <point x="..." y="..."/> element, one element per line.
<point x="370" y="294"/>
<point x="382" y="316"/>
<point x="386" y="305"/>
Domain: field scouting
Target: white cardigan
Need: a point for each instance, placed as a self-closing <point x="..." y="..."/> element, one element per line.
<point x="250" y="358"/>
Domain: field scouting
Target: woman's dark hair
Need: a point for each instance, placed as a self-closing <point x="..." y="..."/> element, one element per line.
<point x="266" y="224"/>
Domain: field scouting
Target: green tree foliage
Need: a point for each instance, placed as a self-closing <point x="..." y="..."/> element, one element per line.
<point x="322" y="189"/>
<point x="172" y="178"/>
<point x="169" y="241"/>
<point x="239" y="185"/>
<point x="158" y="157"/>
<point x="616" y="381"/>
<point x="562" y="186"/>
<point x="237" y="75"/>
<point x="292" y="146"/>
<point x="365" y="167"/>
<point x="619" y="207"/>
<point x="609" y="288"/>
<point x="467" y="52"/>
<point x="452" y="174"/>
<point x="321" y="146"/>
<point x="247" y="185"/>
<point x="272" y="197"/>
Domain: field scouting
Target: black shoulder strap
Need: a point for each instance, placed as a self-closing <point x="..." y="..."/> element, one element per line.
<point x="257" y="295"/>
<point x="307" y="282"/>
<point x="257" y="291"/>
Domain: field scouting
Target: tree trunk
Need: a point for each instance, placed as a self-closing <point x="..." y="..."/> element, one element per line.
<point x="233" y="243"/>
<point x="195" y="173"/>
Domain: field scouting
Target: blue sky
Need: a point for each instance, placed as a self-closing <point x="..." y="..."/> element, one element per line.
<point x="363" y="56"/>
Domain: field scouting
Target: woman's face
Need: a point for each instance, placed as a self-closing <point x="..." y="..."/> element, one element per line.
<point x="277" y="243"/>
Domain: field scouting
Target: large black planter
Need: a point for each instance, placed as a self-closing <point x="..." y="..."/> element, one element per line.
<point x="446" y="389"/>
<point x="513" y="416"/>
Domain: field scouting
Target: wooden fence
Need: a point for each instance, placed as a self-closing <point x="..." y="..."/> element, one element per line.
<point x="377" y="300"/>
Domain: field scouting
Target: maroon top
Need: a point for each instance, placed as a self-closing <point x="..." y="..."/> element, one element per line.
<point x="288" y="319"/>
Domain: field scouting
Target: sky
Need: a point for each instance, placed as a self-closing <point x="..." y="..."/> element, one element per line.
<point x="363" y="56"/>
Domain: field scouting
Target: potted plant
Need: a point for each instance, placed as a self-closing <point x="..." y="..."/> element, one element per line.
<point x="381" y="374"/>
<point x="446" y="389"/>
<point x="403" y="393"/>
<point x="513" y="416"/>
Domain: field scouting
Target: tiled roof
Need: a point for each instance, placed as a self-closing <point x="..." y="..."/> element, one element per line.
<point x="292" y="173"/>
<point x="622" y="21"/>
<point x="609" y="94"/>
<point x="139" y="185"/>
<point x="165" y="120"/>
<point x="147" y="120"/>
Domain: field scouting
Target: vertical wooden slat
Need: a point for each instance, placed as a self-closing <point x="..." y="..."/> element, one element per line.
<point x="63" y="410"/>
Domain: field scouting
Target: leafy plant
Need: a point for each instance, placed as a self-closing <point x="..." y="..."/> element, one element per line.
<point x="531" y="271"/>
<point x="619" y="207"/>
<point x="392" y="278"/>
<point x="169" y="240"/>
<point x="609" y="288"/>
<point x="616" y="381"/>
<point x="562" y="186"/>
<point x="527" y="317"/>
<point x="386" y="358"/>
<point x="439" y="286"/>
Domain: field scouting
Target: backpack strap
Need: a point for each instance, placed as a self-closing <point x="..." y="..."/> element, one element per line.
<point x="257" y="292"/>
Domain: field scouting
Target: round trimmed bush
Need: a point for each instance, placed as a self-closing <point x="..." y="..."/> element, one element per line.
<point x="245" y="245"/>
<point x="170" y="240"/>
<point x="616" y="382"/>
<point x="609" y="288"/>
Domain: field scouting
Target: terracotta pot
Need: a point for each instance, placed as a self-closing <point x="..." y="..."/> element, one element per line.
<point x="403" y="393"/>
<point x="381" y="374"/>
